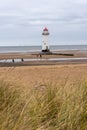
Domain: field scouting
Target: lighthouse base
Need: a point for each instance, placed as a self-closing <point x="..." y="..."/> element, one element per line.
<point x="47" y="50"/>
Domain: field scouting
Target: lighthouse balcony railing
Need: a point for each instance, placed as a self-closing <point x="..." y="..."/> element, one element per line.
<point x="45" y="33"/>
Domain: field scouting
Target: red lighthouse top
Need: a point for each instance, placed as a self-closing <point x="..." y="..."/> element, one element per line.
<point x="45" y="29"/>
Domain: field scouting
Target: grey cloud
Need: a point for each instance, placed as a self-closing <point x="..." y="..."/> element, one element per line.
<point x="24" y="19"/>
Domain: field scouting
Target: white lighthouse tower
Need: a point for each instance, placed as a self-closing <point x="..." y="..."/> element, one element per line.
<point x="45" y="43"/>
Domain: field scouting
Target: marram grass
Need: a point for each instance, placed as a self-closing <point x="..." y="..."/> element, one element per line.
<point x="50" y="108"/>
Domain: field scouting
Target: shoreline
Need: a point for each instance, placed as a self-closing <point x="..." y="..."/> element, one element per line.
<point x="39" y="61"/>
<point x="77" y="53"/>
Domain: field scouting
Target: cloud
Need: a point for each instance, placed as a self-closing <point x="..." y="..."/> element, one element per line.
<point x="21" y="18"/>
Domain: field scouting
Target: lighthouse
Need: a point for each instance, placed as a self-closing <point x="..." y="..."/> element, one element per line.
<point x="45" y="42"/>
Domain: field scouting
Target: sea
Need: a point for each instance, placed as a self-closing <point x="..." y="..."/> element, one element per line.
<point x="24" y="49"/>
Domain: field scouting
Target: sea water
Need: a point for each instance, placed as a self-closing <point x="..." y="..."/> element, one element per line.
<point x="23" y="49"/>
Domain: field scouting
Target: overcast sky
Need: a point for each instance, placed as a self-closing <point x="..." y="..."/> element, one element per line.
<point x="22" y="21"/>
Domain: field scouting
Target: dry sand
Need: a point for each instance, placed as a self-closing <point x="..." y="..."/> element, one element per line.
<point x="37" y="76"/>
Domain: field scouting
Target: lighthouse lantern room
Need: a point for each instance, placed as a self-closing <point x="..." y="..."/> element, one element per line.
<point x="45" y="43"/>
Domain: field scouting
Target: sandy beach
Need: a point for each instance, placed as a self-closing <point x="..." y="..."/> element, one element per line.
<point x="37" y="76"/>
<point x="76" y="53"/>
<point x="34" y="59"/>
<point x="38" y="73"/>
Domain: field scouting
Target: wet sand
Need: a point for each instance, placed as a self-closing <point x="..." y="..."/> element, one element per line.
<point x="76" y="53"/>
<point x="35" y="55"/>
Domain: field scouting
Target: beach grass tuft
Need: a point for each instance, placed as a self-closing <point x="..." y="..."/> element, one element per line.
<point x="50" y="108"/>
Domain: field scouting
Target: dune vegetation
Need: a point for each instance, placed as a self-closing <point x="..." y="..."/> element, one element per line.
<point x="49" y="107"/>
